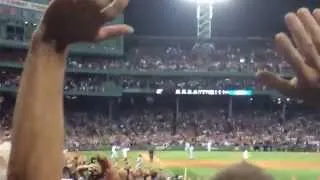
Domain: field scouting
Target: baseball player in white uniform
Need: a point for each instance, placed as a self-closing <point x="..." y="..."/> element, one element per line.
<point x="186" y="146"/>
<point x="125" y="152"/>
<point x="190" y="150"/>
<point x="139" y="162"/>
<point x="245" y="155"/>
<point x="114" y="152"/>
<point x="209" y="146"/>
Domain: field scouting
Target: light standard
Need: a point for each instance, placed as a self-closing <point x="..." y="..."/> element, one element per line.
<point x="204" y="17"/>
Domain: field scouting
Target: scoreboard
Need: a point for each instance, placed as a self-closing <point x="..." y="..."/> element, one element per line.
<point x="18" y="19"/>
<point x="207" y="92"/>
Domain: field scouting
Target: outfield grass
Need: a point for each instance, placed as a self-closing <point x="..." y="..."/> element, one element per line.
<point x="303" y="174"/>
<point x="233" y="156"/>
<point x="205" y="173"/>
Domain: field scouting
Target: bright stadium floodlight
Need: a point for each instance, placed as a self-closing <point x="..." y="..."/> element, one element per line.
<point x="204" y="16"/>
<point x="207" y="1"/>
<point x="210" y="1"/>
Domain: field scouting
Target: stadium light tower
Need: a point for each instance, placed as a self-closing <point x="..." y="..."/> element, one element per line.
<point x="204" y="17"/>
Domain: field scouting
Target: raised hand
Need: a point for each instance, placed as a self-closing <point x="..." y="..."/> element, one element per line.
<point x="69" y="21"/>
<point x="303" y="56"/>
<point x="63" y="23"/>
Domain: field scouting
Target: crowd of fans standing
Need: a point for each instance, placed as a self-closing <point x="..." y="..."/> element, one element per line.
<point x="246" y="128"/>
<point x="96" y="130"/>
<point x="89" y="130"/>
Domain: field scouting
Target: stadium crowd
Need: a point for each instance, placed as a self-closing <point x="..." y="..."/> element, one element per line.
<point x="253" y="128"/>
<point x="199" y="58"/>
<point x="96" y="83"/>
<point x="246" y="128"/>
<point x="86" y="130"/>
<point x="245" y="57"/>
<point x="256" y="129"/>
<point x="206" y="57"/>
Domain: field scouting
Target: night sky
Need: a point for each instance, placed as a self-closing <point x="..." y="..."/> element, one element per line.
<point x="239" y="18"/>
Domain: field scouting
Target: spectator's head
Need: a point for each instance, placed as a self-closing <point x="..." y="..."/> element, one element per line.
<point x="242" y="171"/>
<point x="93" y="160"/>
<point x="66" y="173"/>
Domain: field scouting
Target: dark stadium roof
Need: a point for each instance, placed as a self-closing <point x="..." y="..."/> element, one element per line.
<point x="234" y="18"/>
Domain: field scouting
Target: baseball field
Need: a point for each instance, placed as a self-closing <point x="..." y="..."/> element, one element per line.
<point x="282" y="165"/>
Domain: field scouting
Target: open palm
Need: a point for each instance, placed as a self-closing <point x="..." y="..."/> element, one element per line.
<point x="303" y="57"/>
<point x="69" y="21"/>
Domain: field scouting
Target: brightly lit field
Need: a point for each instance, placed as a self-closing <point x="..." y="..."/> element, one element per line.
<point x="282" y="165"/>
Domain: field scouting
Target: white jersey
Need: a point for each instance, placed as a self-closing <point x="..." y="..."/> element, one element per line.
<point x="209" y="144"/>
<point x="114" y="149"/>
<point x="186" y="146"/>
<point x="245" y="155"/>
<point x="125" y="152"/>
<point x="191" y="148"/>
<point x="114" y="152"/>
<point x="139" y="162"/>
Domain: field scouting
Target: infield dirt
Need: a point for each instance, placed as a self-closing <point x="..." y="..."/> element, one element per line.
<point x="275" y="165"/>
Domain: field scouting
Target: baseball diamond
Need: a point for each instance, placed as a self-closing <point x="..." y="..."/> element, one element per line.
<point x="282" y="165"/>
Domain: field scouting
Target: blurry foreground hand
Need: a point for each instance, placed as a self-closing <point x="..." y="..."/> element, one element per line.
<point x="70" y="21"/>
<point x="302" y="53"/>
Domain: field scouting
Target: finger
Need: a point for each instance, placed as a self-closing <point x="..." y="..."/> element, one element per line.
<point x="113" y="31"/>
<point x="113" y="9"/>
<point x="302" y="39"/>
<point x="274" y="81"/>
<point x="290" y="26"/>
<point x="316" y="15"/>
<point x="311" y="37"/>
<point x="291" y="54"/>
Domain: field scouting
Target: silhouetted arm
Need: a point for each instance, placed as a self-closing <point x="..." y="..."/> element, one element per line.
<point x="38" y="127"/>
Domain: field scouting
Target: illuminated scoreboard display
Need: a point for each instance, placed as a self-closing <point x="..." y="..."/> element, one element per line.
<point x="207" y="92"/>
<point x="18" y="19"/>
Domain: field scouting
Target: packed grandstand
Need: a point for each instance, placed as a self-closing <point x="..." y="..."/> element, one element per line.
<point x="140" y="113"/>
<point x="96" y="119"/>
